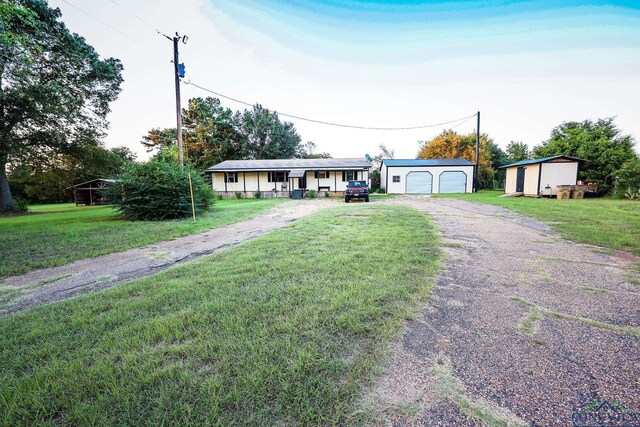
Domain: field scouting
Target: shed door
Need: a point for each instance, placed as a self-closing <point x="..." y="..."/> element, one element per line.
<point x="520" y="180"/>
<point x="453" y="182"/>
<point x="419" y="183"/>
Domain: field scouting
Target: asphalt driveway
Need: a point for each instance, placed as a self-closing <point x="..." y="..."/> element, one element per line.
<point x="525" y="329"/>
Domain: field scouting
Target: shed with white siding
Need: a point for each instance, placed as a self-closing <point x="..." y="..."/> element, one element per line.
<point x="426" y="176"/>
<point x="541" y="176"/>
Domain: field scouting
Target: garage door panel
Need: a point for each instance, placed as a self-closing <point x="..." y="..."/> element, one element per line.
<point x="453" y="182"/>
<point x="419" y="183"/>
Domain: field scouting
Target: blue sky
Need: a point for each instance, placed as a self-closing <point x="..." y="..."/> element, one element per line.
<point x="527" y="65"/>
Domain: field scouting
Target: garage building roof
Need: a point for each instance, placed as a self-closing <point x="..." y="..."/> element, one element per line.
<point x="427" y="162"/>
<point x="540" y="160"/>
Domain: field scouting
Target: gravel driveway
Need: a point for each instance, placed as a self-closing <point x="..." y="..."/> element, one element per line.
<point x="525" y="328"/>
<point x="54" y="284"/>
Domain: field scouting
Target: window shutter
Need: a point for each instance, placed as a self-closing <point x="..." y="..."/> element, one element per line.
<point x="315" y="174"/>
<point x="342" y="176"/>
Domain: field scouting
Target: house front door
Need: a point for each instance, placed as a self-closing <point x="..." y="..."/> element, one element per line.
<point x="302" y="182"/>
<point x="520" y="180"/>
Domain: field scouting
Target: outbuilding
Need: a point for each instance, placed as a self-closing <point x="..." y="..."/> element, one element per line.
<point x="540" y="177"/>
<point x="91" y="192"/>
<point x="426" y="176"/>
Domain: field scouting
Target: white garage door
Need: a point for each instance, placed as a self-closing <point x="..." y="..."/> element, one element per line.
<point x="453" y="182"/>
<point x="419" y="183"/>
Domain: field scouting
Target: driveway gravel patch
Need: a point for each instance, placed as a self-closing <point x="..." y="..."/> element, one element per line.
<point x="537" y="368"/>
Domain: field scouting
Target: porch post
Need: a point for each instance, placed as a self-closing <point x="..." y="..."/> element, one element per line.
<point x="335" y="181"/>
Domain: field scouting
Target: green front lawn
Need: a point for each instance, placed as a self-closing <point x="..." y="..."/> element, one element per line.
<point x="281" y="330"/>
<point x="56" y="234"/>
<point x="611" y="223"/>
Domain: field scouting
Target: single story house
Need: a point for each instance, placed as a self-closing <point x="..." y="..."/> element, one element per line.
<point x="426" y="176"/>
<point x="283" y="177"/>
<point x="91" y="192"/>
<point x="540" y="177"/>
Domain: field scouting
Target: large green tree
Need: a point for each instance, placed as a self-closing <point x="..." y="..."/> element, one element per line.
<point x="600" y="143"/>
<point x="213" y="133"/>
<point x="266" y="137"/>
<point x="517" y="151"/>
<point x="451" y="145"/>
<point x="54" y="88"/>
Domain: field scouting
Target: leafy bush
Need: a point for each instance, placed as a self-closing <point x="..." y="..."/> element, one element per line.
<point x="257" y="195"/>
<point x="311" y="194"/>
<point x="238" y="195"/>
<point x="21" y="204"/>
<point x="628" y="183"/>
<point x="158" y="190"/>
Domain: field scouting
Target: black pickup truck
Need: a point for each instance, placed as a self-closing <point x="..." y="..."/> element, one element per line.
<point x="356" y="190"/>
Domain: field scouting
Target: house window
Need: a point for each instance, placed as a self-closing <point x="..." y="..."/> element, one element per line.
<point x="322" y="174"/>
<point x="231" y="177"/>
<point x="349" y="176"/>
<point x="280" y="176"/>
<point x="396" y="178"/>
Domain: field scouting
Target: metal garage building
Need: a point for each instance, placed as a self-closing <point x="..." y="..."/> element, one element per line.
<point x="418" y="176"/>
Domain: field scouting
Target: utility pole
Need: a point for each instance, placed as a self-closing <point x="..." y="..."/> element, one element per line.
<point x="179" y="72"/>
<point x="476" y="180"/>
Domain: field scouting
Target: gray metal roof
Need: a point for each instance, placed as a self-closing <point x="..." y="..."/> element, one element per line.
<point x="107" y="180"/>
<point x="289" y="164"/>
<point x="541" y="160"/>
<point x="427" y="162"/>
<point x="297" y="173"/>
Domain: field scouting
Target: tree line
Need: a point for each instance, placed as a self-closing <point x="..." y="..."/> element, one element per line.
<point x="213" y="133"/>
<point x="55" y="94"/>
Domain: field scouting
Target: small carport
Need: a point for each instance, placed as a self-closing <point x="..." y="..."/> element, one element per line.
<point x="91" y="192"/>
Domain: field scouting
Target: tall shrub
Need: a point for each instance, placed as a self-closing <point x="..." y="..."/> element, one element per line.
<point x="158" y="190"/>
<point x="628" y="182"/>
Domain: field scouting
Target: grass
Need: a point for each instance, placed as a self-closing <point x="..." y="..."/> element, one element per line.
<point x="611" y="223"/>
<point x="62" y="233"/>
<point x="623" y="330"/>
<point x="529" y="324"/>
<point x="594" y="290"/>
<point x="489" y="414"/>
<point x="285" y="329"/>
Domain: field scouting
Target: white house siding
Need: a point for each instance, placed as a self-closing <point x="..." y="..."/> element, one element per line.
<point x="561" y="173"/>
<point x="251" y="179"/>
<point x="388" y="172"/>
<point x="248" y="181"/>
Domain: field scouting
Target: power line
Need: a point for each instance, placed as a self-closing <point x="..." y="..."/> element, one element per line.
<point x="332" y="123"/>
<point x="120" y="5"/>
<point x="406" y="147"/>
<point x="102" y="22"/>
